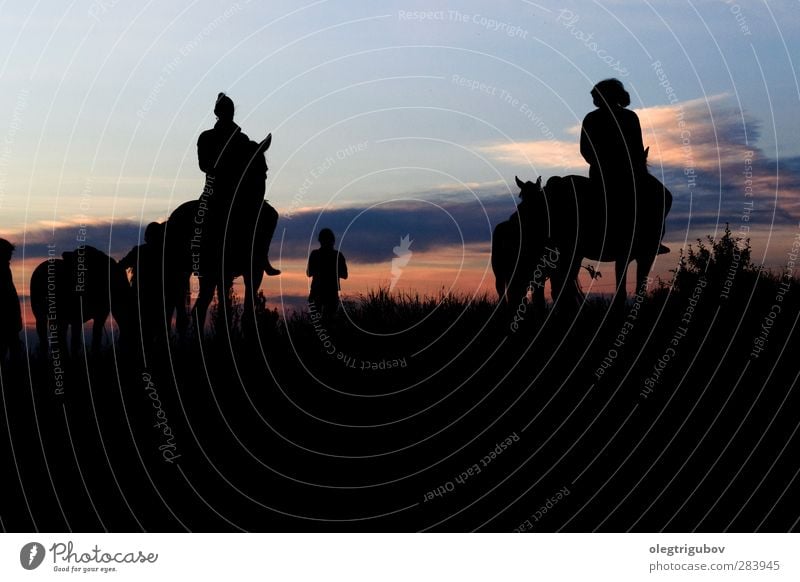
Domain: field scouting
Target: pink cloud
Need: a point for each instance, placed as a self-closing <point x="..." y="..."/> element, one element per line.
<point x="702" y="133"/>
<point x="563" y="155"/>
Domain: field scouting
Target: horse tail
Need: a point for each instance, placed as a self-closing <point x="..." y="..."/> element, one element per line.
<point x="500" y="252"/>
<point x="38" y="291"/>
<point x="498" y="245"/>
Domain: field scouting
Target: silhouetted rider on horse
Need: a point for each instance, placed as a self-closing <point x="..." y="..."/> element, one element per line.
<point x="611" y="142"/>
<point x="235" y="171"/>
<point x="615" y="215"/>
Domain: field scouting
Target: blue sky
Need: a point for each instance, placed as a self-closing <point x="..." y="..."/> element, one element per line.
<point x="430" y="104"/>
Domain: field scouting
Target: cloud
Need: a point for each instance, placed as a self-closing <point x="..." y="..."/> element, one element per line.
<point x="451" y="218"/>
<point x="704" y="133"/>
<point x="545" y="153"/>
<point x="719" y="176"/>
<point x="434" y="219"/>
<point x="369" y="233"/>
<point x="113" y="237"/>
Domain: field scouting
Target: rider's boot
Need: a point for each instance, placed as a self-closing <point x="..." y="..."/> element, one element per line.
<point x="270" y="270"/>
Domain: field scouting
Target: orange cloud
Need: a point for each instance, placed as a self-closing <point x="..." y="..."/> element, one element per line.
<point x="702" y="134"/>
<point x="545" y="153"/>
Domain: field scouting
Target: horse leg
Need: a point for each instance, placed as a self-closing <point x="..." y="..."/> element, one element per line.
<point x="207" y="286"/>
<point x="499" y="257"/>
<point x="179" y="297"/>
<point x="500" y="287"/>
<point x="77" y="337"/>
<point x="169" y="308"/>
<point x="517" y="276"/>
<point x="538" y="300"/>
<point x="557" y="279"/>
<point x="643" y="267"/>
<point x="564" y="289"/>
<point x="249" y="308"/>
<point x="573" y="287"/>
<point x="252" y="283"/>
<point x="621" y="292"/>
<point x="59" y="348"/>
<point x="184" y="301"/>
<point x="514" y="292"/>
<point x="97" y="333"/>
<point x="544" y="268"/>
<point x="225" y="296"/>
<point x="41" y="331"/>
<point x="271" y="220"/>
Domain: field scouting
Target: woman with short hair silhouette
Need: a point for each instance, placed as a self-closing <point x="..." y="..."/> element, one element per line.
<point x="326" y="266"/>
<point x="611" y="136"/>
<point x="611" y="142"/>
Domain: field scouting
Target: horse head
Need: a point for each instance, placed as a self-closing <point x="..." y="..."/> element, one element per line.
<point x="529" y="190"/>
<point x="532" y="209"/>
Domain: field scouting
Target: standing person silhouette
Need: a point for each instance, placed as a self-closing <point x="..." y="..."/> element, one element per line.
<point x="235" y="172"/>
<point x="11" y="319"/>
<point x="148" y="269"/>
<point x="326" y="266"/>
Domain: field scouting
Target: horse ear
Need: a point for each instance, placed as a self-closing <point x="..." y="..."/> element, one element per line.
<point x="520" y="183"/>
<point x="646" y="152"/>
<point x="539" y="182"/>
<point x="266" y="143"/>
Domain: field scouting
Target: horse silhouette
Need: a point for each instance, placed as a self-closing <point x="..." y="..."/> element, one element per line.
<point x="517" y="243"/>
<point x="584" y="225"/>
<point x="568" y="217"/>
<point x="230" y="228"/>
<point x="242" y="250"/>
<point x="86" y="284"/>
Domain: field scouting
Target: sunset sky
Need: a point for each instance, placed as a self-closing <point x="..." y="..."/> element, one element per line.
<point x="390" y="119"/>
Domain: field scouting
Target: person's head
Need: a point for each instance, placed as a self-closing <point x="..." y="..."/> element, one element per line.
<point x="6" y="249"/>
<point x="610" y="93"/>
<point x="326" y="237"/>
<point x="224" y="107"/>
<point x="154" y="233"/>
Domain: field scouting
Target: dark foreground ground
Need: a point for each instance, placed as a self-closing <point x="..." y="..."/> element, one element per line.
<point x="680" y="414"/>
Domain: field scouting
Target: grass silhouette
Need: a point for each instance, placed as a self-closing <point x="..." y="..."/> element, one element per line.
<point x="679" y="413"/>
